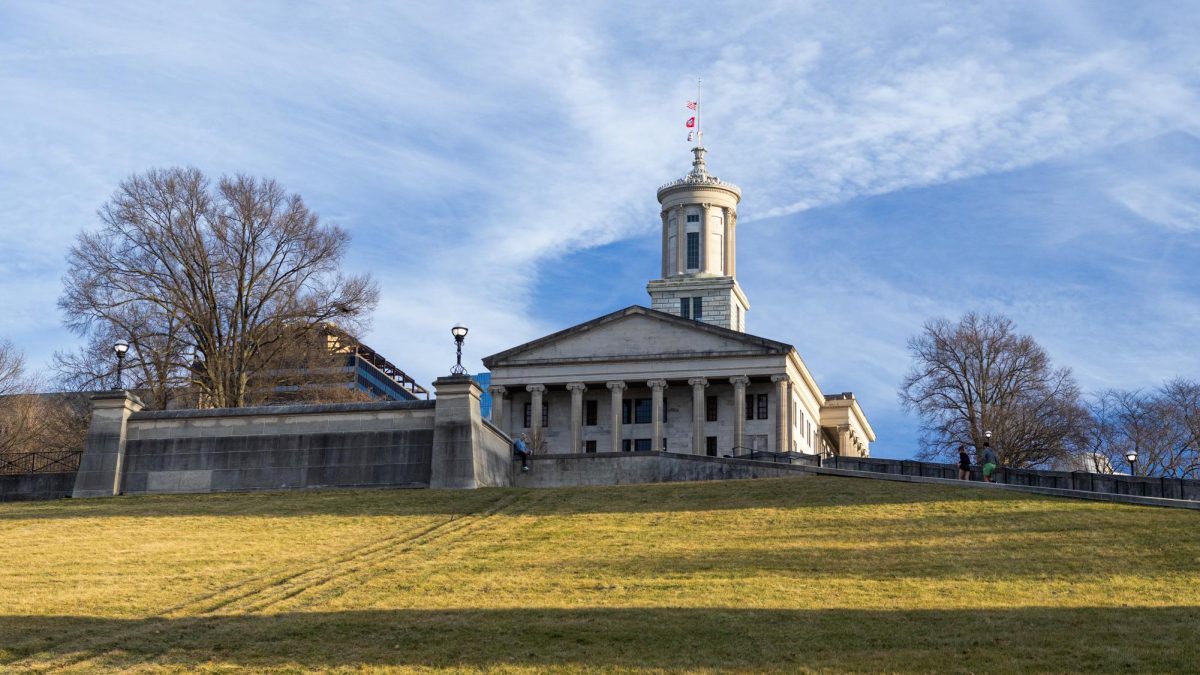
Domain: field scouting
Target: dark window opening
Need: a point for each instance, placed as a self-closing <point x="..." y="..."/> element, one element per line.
<point x="710" y="409"/>
<point x="710" y="446"/>
<point x="626" y="411"/>
<point x="685" y="308"/>
<point x="693" y="250"/>
<point x="749" y="406"/>
<point x="626" y="445"/>
<point x="641" y="445"/>
<point x="697" y="308"/>
<point x="590" y="412"/>
<point x="642" y="410"/>
<point x="589" y="446"/>
<point x="762" y="406"/>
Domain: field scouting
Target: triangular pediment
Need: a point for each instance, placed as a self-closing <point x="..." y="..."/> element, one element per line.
<point x="636" y="331"/>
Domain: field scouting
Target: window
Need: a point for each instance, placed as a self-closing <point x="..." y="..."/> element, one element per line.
<point x="710" y="409"/>
<point x="626" y="411"/>
<point x="693" y="250"/>
<point x="693" y="218"/>
<point x="625" y="445"/>
<point x="642" y="410"/>
<point x="749" y="406"/>
<point x="697" y="308"/>
<point x="589" y="446"/>
<point x="545" y="414"/>
<point x="641" y="445"/>
<point x="685" y="308"/>
<point x="590" y="412"/>
<point x="710" y="446"/>
<point x="664" y="412"/>
<point x="762" y="406"/>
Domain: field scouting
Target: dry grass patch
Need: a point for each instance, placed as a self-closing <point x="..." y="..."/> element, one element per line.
<point x="818" y="574"/>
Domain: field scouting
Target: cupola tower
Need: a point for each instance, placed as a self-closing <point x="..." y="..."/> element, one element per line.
<point x="699" y="247"/>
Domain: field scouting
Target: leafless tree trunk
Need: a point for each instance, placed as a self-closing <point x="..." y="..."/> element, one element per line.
<point x="979" y="375"/>
<point x="208" y="283"/>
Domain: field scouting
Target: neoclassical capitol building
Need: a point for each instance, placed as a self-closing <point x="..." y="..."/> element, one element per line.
<point x="683" y="375"/>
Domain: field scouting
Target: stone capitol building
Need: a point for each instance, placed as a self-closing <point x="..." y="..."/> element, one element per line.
<point x="682" y="375"/>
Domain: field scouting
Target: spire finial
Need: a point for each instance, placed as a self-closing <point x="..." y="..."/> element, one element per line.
<point x="698" y="167"/>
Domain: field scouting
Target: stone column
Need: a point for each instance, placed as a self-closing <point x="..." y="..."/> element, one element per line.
<point x="576" y="389"/>
<point x="698" y="385"/>
<point x="681" y="237"/>
<point x="739" y="383"/>
<point x="704" y="238"/>
<point x="464" y="454"/>
<point x="783" y="441"/>
<point x="617" y="388"/>
<point x="499" y="407"/>
<point x="102" y="465"/>
<point x="535" y="415"/>
<point x="727" y="263"/>
<point x="656" y="390"/>
<point x="666" y="251"/>
<point x="845" y="440"/>
<point x="731" y="242"/>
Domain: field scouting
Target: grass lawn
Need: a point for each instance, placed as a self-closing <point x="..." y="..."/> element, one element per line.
<point x="794" y="574"/>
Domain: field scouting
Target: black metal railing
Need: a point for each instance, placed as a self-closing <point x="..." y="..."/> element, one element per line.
<point x="1142" y="486"/>
<point x="50" y="461"/>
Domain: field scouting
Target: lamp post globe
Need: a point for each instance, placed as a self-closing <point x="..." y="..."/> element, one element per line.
<point x="120" y="347"/>
<point x="459" y="332"/>
<point x="988" y="434"/>
<point x="1131" y="457"/>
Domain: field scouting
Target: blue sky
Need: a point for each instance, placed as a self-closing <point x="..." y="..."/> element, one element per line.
<point x="496" y="163"/>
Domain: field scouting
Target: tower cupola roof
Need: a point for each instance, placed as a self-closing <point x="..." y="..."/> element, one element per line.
<point x="698" y="177"/>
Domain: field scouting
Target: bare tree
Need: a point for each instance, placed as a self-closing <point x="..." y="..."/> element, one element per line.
<point x="208" y="282"/>
<point x="978" y="375"/>
<point x="31" y="422"/>
<point x="1156" y="425"/>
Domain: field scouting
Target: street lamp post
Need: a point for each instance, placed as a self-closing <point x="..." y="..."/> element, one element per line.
<point x="120" y="347"/>
<point x="459" y="332"/>
<point x="1131" y="457"/>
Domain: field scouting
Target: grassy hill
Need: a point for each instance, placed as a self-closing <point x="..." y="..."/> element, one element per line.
<point x="814" y="573"/>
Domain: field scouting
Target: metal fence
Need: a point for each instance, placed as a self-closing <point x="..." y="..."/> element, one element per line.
<point x="1142" y="486"/>
<point x="57" y="461"/>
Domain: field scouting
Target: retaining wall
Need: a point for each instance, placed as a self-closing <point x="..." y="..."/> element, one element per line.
<point x="31" y="486"/>
<point x="621" y="468"/>
<point x="352" y="445"/>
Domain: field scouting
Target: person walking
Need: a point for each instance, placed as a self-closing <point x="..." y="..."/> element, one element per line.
<point x="521" y="448"/>
<point x="964" y="463"/>
<point x="990" y="462"/>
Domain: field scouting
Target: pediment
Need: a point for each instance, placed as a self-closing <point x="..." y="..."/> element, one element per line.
<point x="636" y="332"/>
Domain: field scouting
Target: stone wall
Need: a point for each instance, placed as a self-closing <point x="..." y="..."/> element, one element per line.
<point x="273" y="448"/>
<point x="439" y="443"/>
<point x="622" y="468"/>
<point x="31" y="486"/>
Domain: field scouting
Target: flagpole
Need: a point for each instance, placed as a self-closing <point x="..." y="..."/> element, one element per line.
<point x="699" y="128"/>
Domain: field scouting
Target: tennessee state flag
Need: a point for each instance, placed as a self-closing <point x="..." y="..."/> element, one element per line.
<point x="691" y="123"/>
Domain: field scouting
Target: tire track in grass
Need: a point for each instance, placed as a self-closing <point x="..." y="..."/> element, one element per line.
<point x="338" y="580"/>
<point x="191" y="616"/>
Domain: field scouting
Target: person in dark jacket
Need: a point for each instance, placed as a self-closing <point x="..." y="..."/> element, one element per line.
<point x="964" y="463"/>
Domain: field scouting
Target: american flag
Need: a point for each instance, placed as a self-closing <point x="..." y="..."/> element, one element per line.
<point x="691" y="105"/>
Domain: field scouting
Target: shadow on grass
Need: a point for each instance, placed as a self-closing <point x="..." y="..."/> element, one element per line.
<point x="1043" y="639"/>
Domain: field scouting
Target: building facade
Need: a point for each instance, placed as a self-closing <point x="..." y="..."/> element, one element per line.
<point x="680" y="376"/>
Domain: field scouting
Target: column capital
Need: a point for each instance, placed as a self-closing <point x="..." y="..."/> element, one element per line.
<point x="656" y="384"/>
<point x="780" y="378"/>
<point x="615" y="385"/>
<point x="742" y="380"/>
<point x="698" y="381"/>
<point x="576" y="386"/>
<point x="540" y="388"/>
<point x="498" y="390"/>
